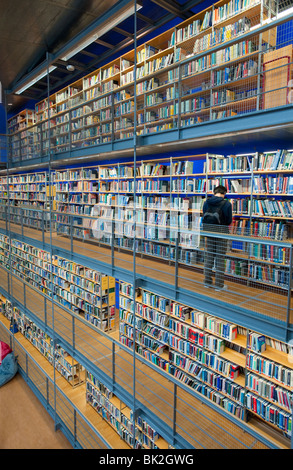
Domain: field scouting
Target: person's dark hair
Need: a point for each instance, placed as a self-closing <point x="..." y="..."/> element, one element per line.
<point x="220" y="189"/>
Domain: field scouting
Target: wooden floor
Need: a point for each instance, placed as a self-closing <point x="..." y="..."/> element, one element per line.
<point x="270" y="303"/>
<point x="24" y="422"/>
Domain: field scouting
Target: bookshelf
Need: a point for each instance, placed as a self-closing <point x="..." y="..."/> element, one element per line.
<point x="22" y="132"/>
<point x="57" y="356"/>
<point x="242" y="371"/>
<point x="76" y="193"/>
<point x="163" y="188"/>
<point x="27" y="196"/>
<point x="120" y="417"/>
<point x="96" y="395"/>
<point x="201" y="70"/>
<point x="104" y="204"/>
<point x="83" y="291"/>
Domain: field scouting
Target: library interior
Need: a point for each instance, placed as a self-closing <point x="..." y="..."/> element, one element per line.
<point x="134" y="308"/>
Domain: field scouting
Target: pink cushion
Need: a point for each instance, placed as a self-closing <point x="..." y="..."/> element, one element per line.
<point x="4" y="350"/>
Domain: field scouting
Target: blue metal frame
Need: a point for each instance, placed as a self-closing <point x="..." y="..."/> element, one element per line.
<point x="242" y="316"/>
<point x="191" y="136"/>
<point x="170" y="434"/>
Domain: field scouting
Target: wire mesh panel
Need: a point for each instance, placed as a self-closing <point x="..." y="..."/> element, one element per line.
<point x="4" y="279"/>
<point x="75" y="427"/>
<point x="16" y="289"/>
<point x="155" y="393"/>
<point x="36" y="375"/>
<point x="5" y="335"/>
<point x="35" y="303"/>
<point x="197" y="423"/>
<point x="96" y="347"/>
<point x="86" y="436"/>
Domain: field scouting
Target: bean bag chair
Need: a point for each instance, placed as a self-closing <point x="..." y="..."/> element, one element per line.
<point x="4" y="350"/>
<point x="8" y="366"/>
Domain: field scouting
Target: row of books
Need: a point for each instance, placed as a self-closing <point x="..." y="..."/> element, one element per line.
<point x="232" y="8"/>
<point x="274" y="254"/>
<point x="263" y="207"/>
<point x="207" y="391"/>
<point x="270" y="413"/>
<point x="234" y="52"/>
<point x="194" y="104"/>
<point x="269" y="390"/>
<point x="280" y="160"/>
<point x="233" y="186"/>
<point x="278" y="276"/>
<point x="152" y="315"/>
<point x="76" y="175"/>
<point x="79" y="293"/>
<point x="270" y="369"/>
<point x="230" y="31"/>
<point x="182" y="167"/>
<point x="204" y="340"/>
<point x="233" y="72"/>
<point x="273" y="184"/>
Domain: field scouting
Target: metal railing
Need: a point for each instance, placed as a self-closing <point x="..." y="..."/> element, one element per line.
<point x="66" y="415"/>
<point x="183" y="417"/>
<point x="256" y="262"/>
<point x="245" y="302"/>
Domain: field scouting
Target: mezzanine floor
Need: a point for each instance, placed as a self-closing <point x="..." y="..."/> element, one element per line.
<point x="260" y="298"/>
<point x="199" y="424"/>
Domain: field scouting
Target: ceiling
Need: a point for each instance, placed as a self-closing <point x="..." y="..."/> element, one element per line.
<point x="29" y="29"/>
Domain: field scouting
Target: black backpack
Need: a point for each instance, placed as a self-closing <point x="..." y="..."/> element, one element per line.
<point x="214" y="215"/>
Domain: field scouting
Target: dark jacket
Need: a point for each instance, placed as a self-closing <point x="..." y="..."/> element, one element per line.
<point x="226" y="208"/>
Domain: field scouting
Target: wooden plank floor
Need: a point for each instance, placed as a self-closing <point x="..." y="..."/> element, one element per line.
<point x="266" y="302"/>
<point x="24" y="425"/>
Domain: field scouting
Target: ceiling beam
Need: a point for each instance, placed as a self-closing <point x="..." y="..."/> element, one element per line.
<point x="122" y="32"/>
<point x="105" y="44"/>
<point x="174" y="8"/>
<point x="144" y="18"/>
<point x="89" y="54"/>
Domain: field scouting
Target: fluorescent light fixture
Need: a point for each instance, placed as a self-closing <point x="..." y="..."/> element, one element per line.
<point x="100" y="30"/>
<point x="35" y="79"/>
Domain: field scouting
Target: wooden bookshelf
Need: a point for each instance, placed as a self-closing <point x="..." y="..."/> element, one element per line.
<point x="120" y="417"/>
<point x="97" y="202"/>
<point x="212" y="416"/>
<point x="99" y="107"/>
<point x="188" y="339"/>
<point x="83" y="291"/>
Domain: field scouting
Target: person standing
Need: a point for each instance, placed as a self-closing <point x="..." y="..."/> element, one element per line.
<point x="217" y="216"/>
